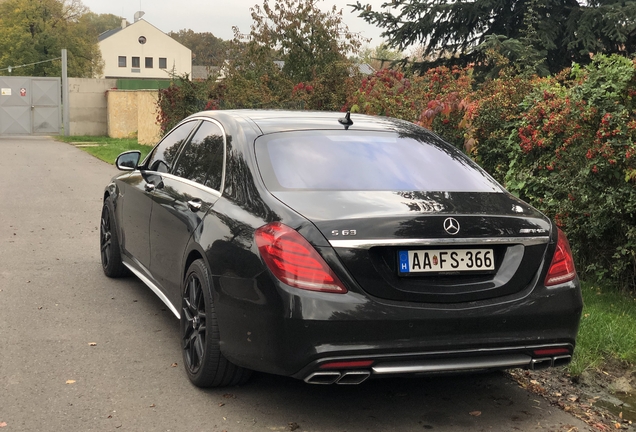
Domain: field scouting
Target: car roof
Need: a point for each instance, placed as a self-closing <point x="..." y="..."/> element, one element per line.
<point x="272" y="121"/>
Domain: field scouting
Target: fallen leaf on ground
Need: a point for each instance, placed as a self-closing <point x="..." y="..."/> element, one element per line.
<point x="475" y="413"/>
<point x="3" y="424"/>
<point x="293" y="426"/>
<point x="70" y="381"/>
<point x="92" y="344"/>
<point x="221" y="404"/>
<point x="173" y="365"/>
<point x="152" y="405"/>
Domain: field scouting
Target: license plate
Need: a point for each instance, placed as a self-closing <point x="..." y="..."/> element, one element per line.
<point x="445" y="260"/>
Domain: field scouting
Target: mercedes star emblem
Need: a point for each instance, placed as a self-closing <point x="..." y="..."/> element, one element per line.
<point x="451" y="226"/>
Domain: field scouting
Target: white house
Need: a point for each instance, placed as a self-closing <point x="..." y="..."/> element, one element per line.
<point x="140" y="50"/>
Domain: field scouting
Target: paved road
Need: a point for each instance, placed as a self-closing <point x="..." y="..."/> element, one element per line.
<point x="55" y="301"/>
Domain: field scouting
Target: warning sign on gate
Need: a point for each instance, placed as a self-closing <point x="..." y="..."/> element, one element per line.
<point x="22" y="91"/>
<point x="6" y="92"/>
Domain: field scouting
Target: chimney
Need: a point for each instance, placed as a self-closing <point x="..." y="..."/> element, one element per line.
<point x="123" y="23"/>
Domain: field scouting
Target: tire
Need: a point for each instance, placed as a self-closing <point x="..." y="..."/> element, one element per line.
<point x="204" y="363"/>
<point x="109" y="243"/>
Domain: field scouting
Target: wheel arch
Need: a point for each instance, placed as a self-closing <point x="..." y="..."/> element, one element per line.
<point x="111" y="192"/>
<point x="111" y="189"/>
<point x="194" y="253"/>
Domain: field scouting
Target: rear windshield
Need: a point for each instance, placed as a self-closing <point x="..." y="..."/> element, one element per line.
<point x="361" y="160"/>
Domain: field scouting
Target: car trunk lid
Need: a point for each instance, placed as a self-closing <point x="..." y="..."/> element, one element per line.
<point x="369" y="230"/>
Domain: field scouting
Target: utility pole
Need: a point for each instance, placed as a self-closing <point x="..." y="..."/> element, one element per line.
<point x="65" y="94"/>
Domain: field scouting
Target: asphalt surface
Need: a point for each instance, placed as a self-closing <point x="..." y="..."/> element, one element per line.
<point x="81" y="352"/>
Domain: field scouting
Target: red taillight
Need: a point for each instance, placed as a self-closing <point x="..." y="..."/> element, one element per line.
<point x="294" y="261"/>
<point x="347" y="364"/>
<point x="562" y="267"/>
<point x="550" y="351"/>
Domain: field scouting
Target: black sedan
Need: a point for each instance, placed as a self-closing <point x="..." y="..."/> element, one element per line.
<point x="333" y="248"/>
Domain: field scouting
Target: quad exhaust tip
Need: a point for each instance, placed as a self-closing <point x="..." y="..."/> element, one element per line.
<point x="546" y="362"/>
<point x="353" y="377"/>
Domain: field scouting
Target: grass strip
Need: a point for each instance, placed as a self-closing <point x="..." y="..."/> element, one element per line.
<point x="608" y="328"/>
<point x="105" y="148"/>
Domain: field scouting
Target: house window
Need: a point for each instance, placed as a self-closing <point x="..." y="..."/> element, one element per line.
<point x="135" y="62"/>
<point x="122" y="61"/>
<point x="163" y="63"/>
<point x="149" y="62"/>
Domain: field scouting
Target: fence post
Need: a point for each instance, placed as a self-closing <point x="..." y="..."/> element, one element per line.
<point x="65" y="94"/>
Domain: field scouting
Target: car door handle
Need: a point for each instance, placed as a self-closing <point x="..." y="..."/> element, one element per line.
<point x="195" y="205"/>
<point x="149" y="187"/>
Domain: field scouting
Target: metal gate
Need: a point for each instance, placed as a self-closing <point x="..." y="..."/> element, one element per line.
<point x="30" y="105"/>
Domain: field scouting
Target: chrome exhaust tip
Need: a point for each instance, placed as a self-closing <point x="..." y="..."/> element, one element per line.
<point x="561" y="360"/>
<point x="353" y="377"/>
<point x="324" y="378"/>
<point x="540" y="363"/>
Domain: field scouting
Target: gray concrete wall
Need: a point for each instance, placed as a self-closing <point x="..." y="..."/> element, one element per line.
<point x="88" y="106"/>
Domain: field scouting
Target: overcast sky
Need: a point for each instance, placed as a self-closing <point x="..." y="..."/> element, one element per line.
<point x="217" y="16"/>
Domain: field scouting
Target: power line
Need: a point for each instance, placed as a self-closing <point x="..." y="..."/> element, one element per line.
<point x="10" y="68"/>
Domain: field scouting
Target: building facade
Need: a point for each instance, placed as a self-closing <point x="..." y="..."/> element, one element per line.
<point x="142" y="51"/>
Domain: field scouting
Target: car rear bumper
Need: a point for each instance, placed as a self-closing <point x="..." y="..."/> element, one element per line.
<point x="296" y="333"/>
<point x="346" y="370"/>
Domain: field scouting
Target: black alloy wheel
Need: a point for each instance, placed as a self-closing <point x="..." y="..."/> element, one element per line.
<point x="109" y="244"/>
<point x="194" y="334"/>
<point x="200" y="340"/>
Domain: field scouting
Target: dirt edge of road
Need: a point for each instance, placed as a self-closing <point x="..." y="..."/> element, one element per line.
<point x="604" y="398"/>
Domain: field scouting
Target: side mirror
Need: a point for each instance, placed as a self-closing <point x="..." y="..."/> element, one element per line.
<point x="128" y="161"/>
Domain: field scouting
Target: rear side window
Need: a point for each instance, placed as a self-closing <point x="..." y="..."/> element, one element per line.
<point x="164" y="155"/>
<point x="202" y="158"/>
<point x="358" y="160"/>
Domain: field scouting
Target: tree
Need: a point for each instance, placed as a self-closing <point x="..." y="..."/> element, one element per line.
<point x="251" y="77"/>
<point x="380" y="57"/>
<point x="207" y="49"/>
<point x="34" y="32"/>
<point x="563" y="31"/>
<point x="100" y="23"/>
<point x="307" y="39"/>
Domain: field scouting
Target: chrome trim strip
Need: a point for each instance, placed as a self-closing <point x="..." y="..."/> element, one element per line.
<point x="365" y="244"/>
<point x="495" y="351"/>
<point x="192" y="183"/>
<point x="154" y="288"/>
<point x="449" y="365"/>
